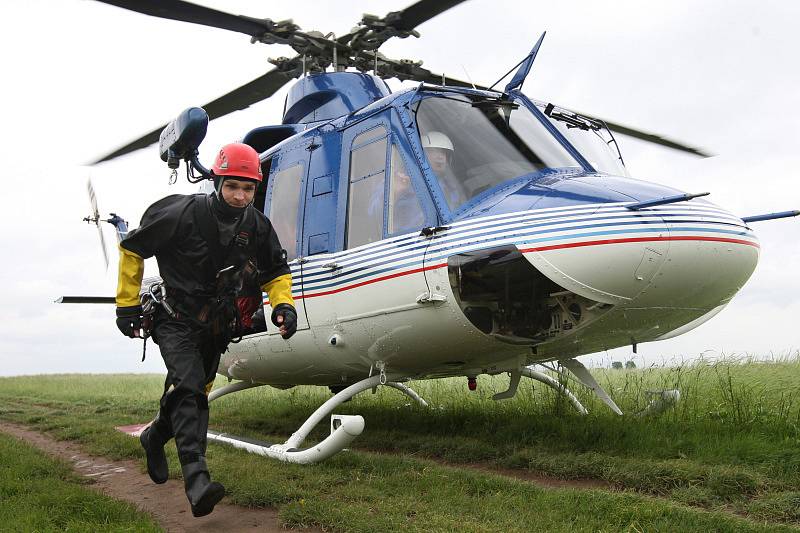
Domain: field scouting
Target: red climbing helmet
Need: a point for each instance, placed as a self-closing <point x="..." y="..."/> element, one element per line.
<point x="238" y="160"/>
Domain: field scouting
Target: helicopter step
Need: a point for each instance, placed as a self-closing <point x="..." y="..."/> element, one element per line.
<point x="344" y="428"/>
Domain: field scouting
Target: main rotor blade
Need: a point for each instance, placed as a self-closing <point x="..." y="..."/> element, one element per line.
<point x="655" y="139"/>
<point x="424" y="10"/>
<point x="248" y="94"/>
<point x="188" y="12"/>
<point x="373" y="31"/>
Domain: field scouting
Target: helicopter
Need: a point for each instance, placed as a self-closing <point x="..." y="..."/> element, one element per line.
<point x="533" y="247"/>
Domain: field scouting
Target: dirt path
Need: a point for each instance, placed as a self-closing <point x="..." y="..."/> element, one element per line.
<point x="539" y="479"/>
<point x="123" y="480"/>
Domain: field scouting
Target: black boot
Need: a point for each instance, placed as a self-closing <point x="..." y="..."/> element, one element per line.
<point x="153" y="445"/>
<point x="203" y="493"/>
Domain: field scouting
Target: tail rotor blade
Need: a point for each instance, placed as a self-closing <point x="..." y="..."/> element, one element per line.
<point x="96" y="220"/>
<point x="93" y="200"/>
<point x="103" y="244"/>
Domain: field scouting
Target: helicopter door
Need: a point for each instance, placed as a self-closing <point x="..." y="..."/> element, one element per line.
<point x="319" y="222"/>
<point x="377" y="274"/>
<point x="284" y="208"/>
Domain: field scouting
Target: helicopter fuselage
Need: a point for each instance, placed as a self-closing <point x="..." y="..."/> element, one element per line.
<point x="537" y="256"/>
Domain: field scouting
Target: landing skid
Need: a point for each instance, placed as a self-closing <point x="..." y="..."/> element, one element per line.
<point x="344" y="428"/>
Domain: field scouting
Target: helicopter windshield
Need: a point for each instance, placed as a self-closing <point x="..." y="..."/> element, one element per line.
<point x="589" y="136"/>
<point x="475" y="144"/>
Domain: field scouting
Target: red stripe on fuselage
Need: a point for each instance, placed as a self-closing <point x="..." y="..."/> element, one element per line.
<point x="362" y="283"/>
<point x="635" y="239"/>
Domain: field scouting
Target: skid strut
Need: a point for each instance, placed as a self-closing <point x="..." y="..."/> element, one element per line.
<point x="344" y="428"/>
<point x="576" y="368"/>
<point x="547" y="380"/>
<point x="232" y="387"/>
<point x="411" y="393"/>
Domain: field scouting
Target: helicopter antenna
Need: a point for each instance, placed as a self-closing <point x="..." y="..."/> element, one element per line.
<point x="524" y="68"/>
<point x="335" y="57"/>
<point x="507" y="73"/>
<point x="468" y="76"/>
<point x="519" y="78"/>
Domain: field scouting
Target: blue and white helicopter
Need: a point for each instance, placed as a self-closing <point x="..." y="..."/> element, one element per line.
<point x="449" y="229"/>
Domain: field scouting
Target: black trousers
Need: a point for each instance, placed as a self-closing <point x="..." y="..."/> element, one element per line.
<point x="191" y="354"/>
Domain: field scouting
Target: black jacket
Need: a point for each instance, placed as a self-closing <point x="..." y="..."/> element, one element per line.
<point x="173" y="230"/>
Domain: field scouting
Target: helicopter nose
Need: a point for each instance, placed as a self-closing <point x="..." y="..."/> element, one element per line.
<point x="710" y="255"/>
<point x="678" y="255"/>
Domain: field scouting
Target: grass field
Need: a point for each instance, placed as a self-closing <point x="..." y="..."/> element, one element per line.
<point x="727" y="458"/>
<point x="38" y="493"/>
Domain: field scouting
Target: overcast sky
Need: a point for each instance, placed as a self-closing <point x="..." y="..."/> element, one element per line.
<point x="81" y="78"/>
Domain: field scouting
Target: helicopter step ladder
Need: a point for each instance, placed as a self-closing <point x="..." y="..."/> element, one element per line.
<point x="344" y="428"/>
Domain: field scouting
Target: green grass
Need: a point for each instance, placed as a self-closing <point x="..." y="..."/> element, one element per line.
<point x="726" y="458"/>
<point x="38" y="493"/>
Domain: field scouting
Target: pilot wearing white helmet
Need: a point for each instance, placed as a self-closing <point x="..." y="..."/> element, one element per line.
<point x="441" y="154"/>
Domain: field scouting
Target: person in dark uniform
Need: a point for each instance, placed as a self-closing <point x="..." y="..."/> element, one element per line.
<point x="208" y="246"/>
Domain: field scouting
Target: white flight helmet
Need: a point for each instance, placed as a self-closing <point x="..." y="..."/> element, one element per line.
<point x="437" y="139"/>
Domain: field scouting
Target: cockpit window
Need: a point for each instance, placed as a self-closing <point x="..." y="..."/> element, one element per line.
<point x="473" y="145"/>
<point x="589" y="136"/>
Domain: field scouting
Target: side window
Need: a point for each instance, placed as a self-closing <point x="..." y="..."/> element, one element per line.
<point x="283" y="207"/>
<point x="405" y="211"/>
<point x="366" y="190"/>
